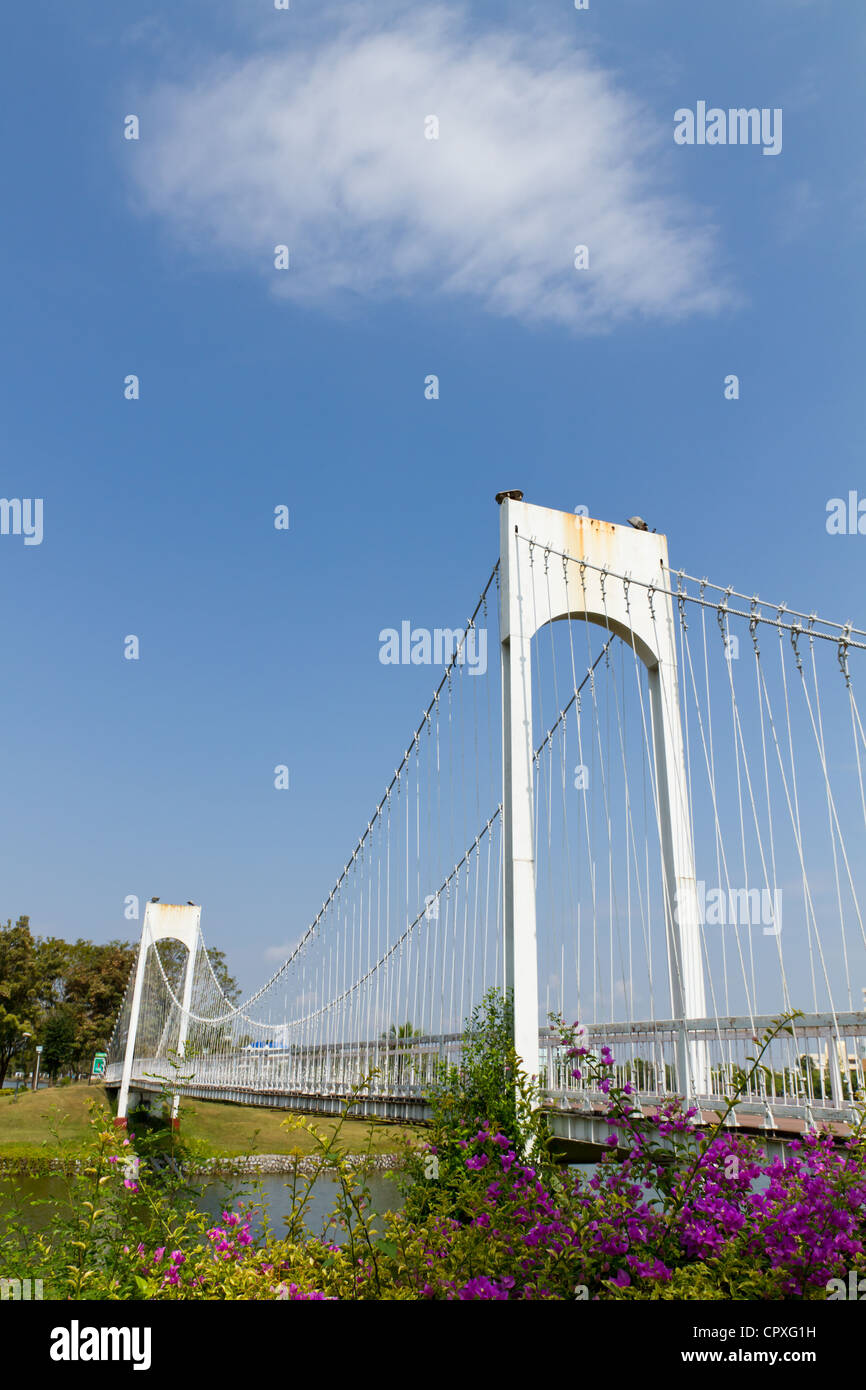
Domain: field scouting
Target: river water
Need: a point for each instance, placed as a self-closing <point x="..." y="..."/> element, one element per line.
<point x="214" y="1195"/>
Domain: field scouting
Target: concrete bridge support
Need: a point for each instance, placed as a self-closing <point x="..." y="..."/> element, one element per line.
<point x="161" y="921"/>
<point x="585" y="586"/>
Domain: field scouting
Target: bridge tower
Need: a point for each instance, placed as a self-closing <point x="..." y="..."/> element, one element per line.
<point x="161" y="921"/>
<point x="525" y="592"/>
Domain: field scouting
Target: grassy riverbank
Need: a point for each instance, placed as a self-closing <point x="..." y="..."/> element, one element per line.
<point x="28" y="1125"/>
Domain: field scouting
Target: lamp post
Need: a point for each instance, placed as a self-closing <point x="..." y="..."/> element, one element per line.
<point x="36" y="1068"/>
<point x="23" y="1035"/>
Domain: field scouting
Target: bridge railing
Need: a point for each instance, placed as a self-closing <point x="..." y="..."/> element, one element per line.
<point x="395" y="1069"/>
<point x="819" y="1066"/>
<point x="815" y="1071"/>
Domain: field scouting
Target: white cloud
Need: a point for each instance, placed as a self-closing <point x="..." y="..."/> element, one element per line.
<point x="279" y="953"/>
<point x="321" y="147"/>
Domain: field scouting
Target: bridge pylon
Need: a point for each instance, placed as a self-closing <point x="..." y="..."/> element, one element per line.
<point x="161" y="921"/>
<point x="584" y="553"/>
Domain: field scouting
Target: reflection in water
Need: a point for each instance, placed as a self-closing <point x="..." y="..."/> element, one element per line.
<point x="277" y="1193"/>
<point x="274" y="1189"/>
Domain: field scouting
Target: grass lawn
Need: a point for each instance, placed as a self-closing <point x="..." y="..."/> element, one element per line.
<point x="26" y="1126"/>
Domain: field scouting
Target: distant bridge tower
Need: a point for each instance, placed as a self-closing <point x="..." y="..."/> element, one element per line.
<point x="525" y="592"/>
<point x="161" y="921"/>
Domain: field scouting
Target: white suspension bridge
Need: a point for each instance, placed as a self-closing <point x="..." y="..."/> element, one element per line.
<point x="648" y="814"/>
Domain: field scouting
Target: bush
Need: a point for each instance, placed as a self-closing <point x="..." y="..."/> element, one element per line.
<point x="486" y="1088"/>
<point x="672" y="1211"/>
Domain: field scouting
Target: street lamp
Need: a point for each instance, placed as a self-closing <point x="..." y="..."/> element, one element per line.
<point x="24" y="1035"/>
<point x="36" y="1068"/>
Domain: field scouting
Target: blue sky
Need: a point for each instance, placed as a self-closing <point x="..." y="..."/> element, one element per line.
<point x="155" y="257"/>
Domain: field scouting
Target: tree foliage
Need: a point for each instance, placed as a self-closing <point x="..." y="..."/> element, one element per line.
<point x="18" y="989"/>
<point x="93" y="986"/>
<point x="58" y="1040"/>
<point x="74" y="987"/>
<point x="173" y="955"/>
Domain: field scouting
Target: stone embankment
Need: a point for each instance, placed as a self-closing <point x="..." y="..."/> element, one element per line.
<point x="253" y="1164"/>
<point x="242" y="1165"/>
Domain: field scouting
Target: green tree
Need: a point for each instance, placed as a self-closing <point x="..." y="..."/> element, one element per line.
<point x="41" y="975"/>
<point x="52" y="956"/>
<point x="482" y="1086"/>
<point x="16" y="1035"/>
<point x="486" y="1087"/>
<point x="173" y="956"/>
<point x="398" y="1058"/>
<point x="18" y="990"/>
<point x="400" y="1034"/>
<point x="94" y="981"/>
<point x="58" y="1040"/>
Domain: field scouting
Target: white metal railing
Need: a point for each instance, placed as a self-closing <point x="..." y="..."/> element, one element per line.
<point x="820" y="1066"/>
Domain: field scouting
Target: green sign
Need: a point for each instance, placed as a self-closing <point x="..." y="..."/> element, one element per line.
<point x="99" y="1063"/>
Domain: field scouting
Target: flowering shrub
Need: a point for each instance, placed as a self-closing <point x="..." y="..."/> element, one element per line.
<point x="112" y="1202"/>
<point x="708" y="1211"/>
<point x="672" y="1211"/>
